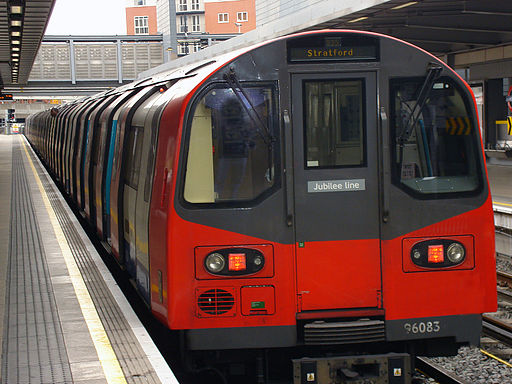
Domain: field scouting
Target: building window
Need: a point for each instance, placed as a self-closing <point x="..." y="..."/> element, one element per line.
<point x="195" y="5"/>
<point x="196" y="47"/>
<point x="196" y="27"/>
<point x="183" y="24"/>
<point x="141" y="25"/>
<point x="140" y="2"/>
<point x="182" y="49"/>
<point x="242" y="16"/>
<point x="223" y="17"/>
<point x="183" y="5"/>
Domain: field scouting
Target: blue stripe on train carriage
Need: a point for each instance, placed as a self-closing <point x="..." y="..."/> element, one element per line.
<point x="109" y="166"/>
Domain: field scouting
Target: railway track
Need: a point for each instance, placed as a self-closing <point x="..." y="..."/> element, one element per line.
<point x="492" y="327"/>
<point x="497" y="329"/>
<point x="436" y="372"/>
<point x="504" y="278"/>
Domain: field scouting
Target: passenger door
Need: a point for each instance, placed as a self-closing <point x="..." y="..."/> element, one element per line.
<point x="132" y="157"/>
<point x="148" y="117"/>
<point x="336" y="185"/>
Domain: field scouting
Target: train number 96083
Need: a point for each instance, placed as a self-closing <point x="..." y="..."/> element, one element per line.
<point x="422" y="327"/>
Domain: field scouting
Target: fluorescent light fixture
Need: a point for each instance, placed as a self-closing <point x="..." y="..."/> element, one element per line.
<point x="16" y="9"/>
<point x="405" y="5"/>
<point x="358" y="19"/>
<point x="16" y="23"/>
<point x="15" y="59"/>
<point x="15" y="54"/>
<point x="15" y="42"/>
<point x="15" y="48"/>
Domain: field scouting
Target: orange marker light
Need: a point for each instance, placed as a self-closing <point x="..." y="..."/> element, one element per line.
<point x="237" y="262"/>
<point x="435" y="254"/>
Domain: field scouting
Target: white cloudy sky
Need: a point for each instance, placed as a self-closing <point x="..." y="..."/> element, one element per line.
<point x="87" y="17"/>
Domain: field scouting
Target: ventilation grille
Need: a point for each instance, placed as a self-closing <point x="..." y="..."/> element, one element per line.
<point x="215" y="302"/>
<point x="361" y="331"/>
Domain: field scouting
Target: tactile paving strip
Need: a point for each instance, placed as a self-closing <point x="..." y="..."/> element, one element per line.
<point x="134" y="363"/>
<point x="33" y="344"/>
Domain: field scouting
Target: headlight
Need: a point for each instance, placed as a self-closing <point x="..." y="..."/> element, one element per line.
<point x="215" y="262"/>
<point x="455" y="253"/>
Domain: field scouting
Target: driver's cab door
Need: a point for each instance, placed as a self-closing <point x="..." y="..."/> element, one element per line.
<point x="335" y="141"/>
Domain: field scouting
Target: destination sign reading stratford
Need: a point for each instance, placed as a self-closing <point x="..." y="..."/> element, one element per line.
<point x="336" y="185"/>
<point x="333" y="48"/>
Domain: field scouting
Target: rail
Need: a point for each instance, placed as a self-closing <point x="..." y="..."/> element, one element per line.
<point x="504" y="278"/>
<point x="497" y="329"/>
<point x="431" y="369"/>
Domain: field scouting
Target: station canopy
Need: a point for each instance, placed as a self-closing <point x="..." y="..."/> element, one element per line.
<point x="438" y="26"/>
<point x="442" y="27"/>
<point x="22" y="25"/>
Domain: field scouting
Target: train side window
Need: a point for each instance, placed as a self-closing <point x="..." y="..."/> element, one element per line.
<point x="435" y="148"/>
<point x="133" y="153"/>
<point x="150" y="163"/>
<point x="230" y="151"/>
<point x="334" y="123"/>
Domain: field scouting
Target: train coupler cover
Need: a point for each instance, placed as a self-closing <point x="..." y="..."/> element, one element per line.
<point x="392" y="368"/>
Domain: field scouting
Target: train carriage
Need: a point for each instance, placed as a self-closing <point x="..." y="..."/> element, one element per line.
<point x="324" y="191"/>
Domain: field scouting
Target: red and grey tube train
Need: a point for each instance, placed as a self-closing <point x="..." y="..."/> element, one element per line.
<point x="326" y="188"/>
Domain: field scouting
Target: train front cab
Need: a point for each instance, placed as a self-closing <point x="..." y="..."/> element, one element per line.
<point x="330" y="191"/>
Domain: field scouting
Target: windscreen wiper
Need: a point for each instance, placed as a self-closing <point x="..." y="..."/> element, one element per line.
<point x="262" y="128"/>
<point x="433" y="72"/>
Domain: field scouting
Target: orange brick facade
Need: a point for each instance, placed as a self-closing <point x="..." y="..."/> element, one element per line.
<point x="242" y="12"/>
<point x="149" y="11"/>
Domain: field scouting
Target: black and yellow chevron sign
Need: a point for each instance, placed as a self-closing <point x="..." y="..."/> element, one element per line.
<point x="458" y="125"/>
<point x="508" y="122"/>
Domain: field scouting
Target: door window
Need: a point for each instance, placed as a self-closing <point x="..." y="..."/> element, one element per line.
<point x="334" y="123"/>
<point x="133" y="154"/>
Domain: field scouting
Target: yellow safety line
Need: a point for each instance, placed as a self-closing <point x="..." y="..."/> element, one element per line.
<point x="106" y="355"/>
<point x="508" y="205"/>
<point x="496" y="358"/>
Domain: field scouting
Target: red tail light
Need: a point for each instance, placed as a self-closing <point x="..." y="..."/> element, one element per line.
<point x="435" y="254"/>
<point x="237" y="262"/>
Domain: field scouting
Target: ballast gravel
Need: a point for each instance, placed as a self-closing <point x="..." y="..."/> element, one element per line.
<point x="473" y="366"/>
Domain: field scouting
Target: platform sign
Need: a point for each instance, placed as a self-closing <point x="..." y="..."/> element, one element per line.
<point x="5" y="96"/>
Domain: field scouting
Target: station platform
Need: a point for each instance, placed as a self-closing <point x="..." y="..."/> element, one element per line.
<point x="64" y="318"/>
<point x="500" y="179"/>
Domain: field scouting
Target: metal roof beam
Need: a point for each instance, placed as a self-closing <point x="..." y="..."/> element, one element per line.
<point x="455" y="28"/>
